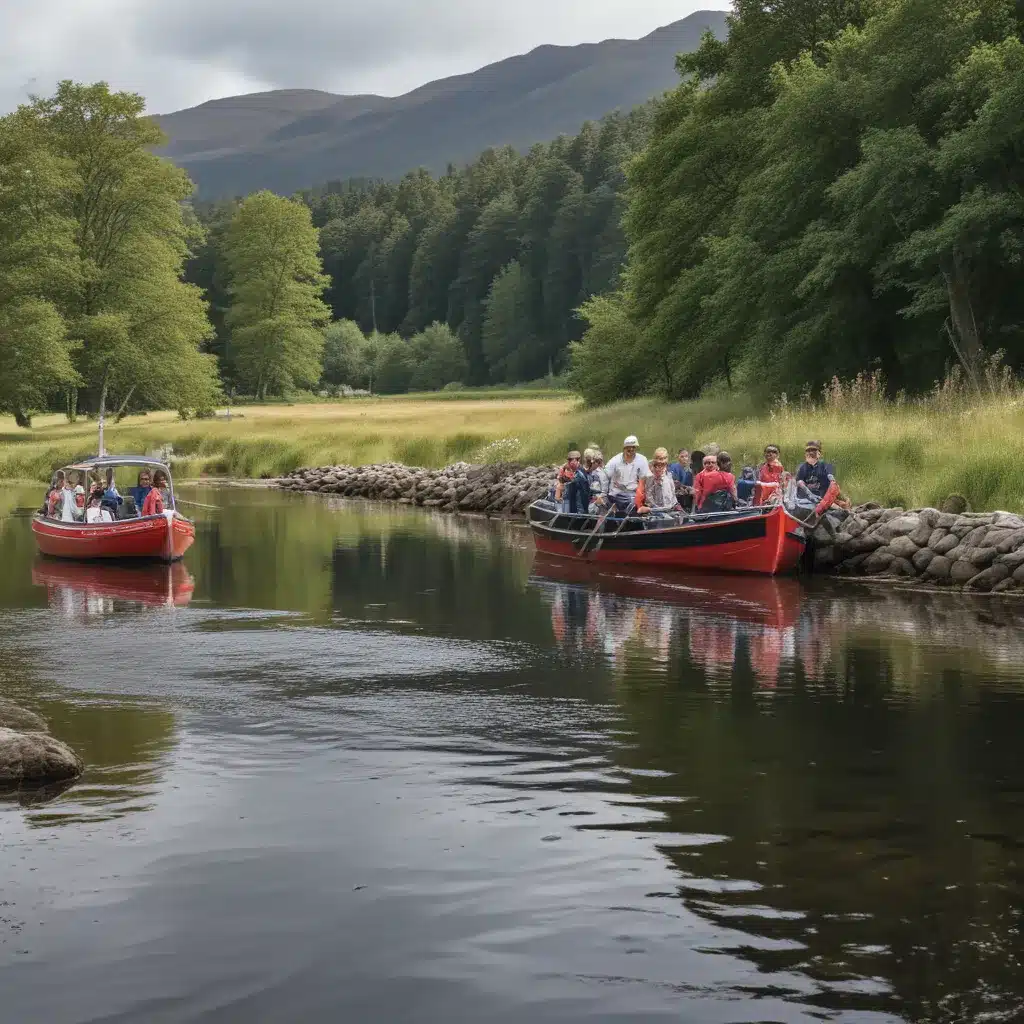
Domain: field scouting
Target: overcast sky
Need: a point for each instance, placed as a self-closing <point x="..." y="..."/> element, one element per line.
<point x="181" y="52"/>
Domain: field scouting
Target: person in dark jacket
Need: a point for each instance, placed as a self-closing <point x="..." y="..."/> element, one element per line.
<point x="746" y="484"/>
<point x="575" y="494"/>
<point x="817" y="478"/>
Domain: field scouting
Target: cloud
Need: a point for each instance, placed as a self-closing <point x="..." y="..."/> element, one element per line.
<point x="183" y="52"/>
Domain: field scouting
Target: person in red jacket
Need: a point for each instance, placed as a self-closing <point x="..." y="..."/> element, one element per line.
<point x="714" y="489"/>
<point x="773" y="475"/>
<point x="154" y="503"/>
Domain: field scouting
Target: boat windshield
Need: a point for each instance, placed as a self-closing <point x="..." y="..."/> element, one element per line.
<point x="104" y="490"/>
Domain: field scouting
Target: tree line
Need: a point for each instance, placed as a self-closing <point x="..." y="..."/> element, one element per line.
<point x="484" y="267"/>
<point x="118" y="293"/>
<point x="836" y="187"/>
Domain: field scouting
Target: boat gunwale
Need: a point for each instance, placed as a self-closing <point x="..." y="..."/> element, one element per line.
<point x="39" y="517"/>
<point x="758" y="513"/>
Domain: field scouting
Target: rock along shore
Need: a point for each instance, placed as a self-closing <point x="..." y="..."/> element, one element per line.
<point x="982" y="551"/>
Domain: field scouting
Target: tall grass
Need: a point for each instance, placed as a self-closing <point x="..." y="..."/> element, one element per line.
<point x="895" y="451"/>
<point x="269" y="440"/>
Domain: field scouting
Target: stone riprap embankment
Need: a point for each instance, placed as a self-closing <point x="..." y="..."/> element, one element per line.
<point x="975" y="550"/>
<point x="494" y="490"/>
<point x="981" y="551"/>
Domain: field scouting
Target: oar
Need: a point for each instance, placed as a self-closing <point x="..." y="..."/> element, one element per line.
<point x="615" y="532"/>
<point x="197" y="504"/>
<point x="600" y="523"/>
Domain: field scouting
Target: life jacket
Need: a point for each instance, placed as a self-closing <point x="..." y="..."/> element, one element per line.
<point x="768" y="475"/>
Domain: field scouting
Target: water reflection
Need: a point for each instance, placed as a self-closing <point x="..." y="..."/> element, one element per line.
<point x="710" y="621"/>
<point x="351" y="759"/>
<point x="81" y="589"/>
<point x="872" y="821"/>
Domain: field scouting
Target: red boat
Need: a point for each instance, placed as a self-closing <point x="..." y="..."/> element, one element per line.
<point x="166" y="536"/>
<point x="765" y="539"/>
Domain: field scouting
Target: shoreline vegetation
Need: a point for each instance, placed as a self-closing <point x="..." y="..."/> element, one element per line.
<point x="909" y="453"/>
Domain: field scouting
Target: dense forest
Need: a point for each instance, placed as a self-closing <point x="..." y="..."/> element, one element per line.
<point x="494" y="258"/>
<point x="836" y="187"/>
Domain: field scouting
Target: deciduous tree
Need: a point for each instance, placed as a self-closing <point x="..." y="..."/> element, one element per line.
<point x="276" y="316"/>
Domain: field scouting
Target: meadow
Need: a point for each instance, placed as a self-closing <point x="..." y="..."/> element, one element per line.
<point x="905" y="453"/>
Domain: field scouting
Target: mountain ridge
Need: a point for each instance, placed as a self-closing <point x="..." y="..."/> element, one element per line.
<point x="290" y="139"/>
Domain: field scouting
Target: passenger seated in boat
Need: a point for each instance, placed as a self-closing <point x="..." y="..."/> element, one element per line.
<point x="564" y="475"/>
<point x="593" y="464"/>
<point x="575" y="494"/>
<point x="816" y="479"/>
<point x="139" y="493"/>
<point x="163" y="485"/>
<point x="625" y="471"/>
<point x="111" y="496"/>
<point x="154" y="503"/>
<point x="771" y="478"/>
<point x="96" y="513"/>
<point x="72" y="500"/>
<point x="714" y="489"/>
<point x="53" y="497"/>
<point x="682" y="477"/>
<point x="656" y="492"/>
<point x="745" y="485"/>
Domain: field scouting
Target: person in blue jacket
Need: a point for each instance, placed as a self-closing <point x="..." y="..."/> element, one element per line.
<point x="139" y="493"/>
<point x="817" y="478"/>
<point x="682" y="475"/>
<point x="746" y="484"/>
<point x="575" y="493"/>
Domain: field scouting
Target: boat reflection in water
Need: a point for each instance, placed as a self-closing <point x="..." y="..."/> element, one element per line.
<point x="708" y="617"/>
<point x="96" y="588"/>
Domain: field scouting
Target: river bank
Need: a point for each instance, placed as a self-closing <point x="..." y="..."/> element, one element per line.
<point x="981" y="551"/>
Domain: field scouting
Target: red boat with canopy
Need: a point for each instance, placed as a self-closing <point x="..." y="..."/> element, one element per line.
<point x="165" y="536"/>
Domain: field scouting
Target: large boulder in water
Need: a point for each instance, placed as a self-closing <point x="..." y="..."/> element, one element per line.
<point x="14" y="716"/>
<point x="35" y="757"/>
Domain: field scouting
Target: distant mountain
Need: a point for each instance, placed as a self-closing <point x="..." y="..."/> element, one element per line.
<point x="295" y="138"/>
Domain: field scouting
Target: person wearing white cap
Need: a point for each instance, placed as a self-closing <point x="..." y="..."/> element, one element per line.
<point x="625" y="471"/>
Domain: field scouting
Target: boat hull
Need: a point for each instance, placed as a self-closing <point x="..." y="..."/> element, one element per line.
<point x="765" y="541"/>
<point x="165" y="537"/>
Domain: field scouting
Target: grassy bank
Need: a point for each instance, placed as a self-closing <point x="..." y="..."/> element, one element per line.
<point x="911" y="454"/>
<point x="272" y="439"/>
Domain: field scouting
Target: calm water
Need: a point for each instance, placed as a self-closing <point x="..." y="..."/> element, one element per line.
<point x="364" y="764"/>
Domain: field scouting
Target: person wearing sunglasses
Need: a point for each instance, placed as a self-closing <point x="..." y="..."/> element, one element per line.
<point x="817" y="479"/>
<point x="771" y="478"/>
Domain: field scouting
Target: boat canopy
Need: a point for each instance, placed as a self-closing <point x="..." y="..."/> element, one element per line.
<point x="112" y="461"/>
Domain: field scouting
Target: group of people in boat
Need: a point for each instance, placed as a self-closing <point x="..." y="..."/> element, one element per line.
<point x="68" y="500"/>
<point x="698" y="482"/>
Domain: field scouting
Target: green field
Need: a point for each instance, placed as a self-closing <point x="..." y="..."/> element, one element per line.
<point x="910" y="454"/>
